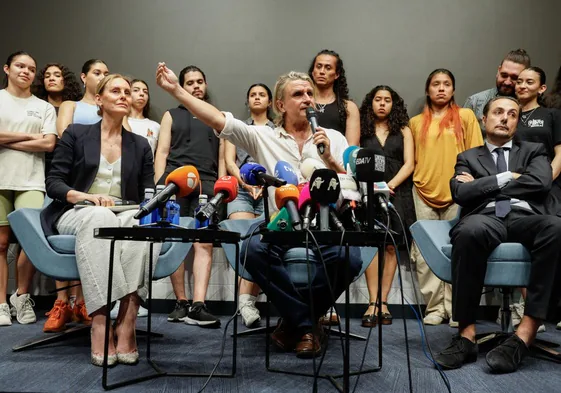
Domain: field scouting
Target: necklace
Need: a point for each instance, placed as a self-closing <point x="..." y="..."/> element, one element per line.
<point x="526" y="118"/>
<point x="321" y="107"/>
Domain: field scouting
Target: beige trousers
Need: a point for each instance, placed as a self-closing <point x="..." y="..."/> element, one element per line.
<point x="437" y="293"/>
<point x="130" y="263"/>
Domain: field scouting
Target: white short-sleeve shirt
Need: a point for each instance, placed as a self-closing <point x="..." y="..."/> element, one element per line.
<point x="24" y="171"/>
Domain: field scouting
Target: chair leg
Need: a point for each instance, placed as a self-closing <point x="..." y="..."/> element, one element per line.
<point x="544" y="349"/>
<point x="73" y="332"/>
<point x="48" y="338"/>
<point x="343" y="333"/>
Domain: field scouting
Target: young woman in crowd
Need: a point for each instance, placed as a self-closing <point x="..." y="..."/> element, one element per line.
<point x="249" y="203"/>
<point x="384" y="126"/>
<point x="542" y="125"/>
<point x="85" y="110"/>
<point x="334" y="108"/>
<point x="55" y="83"/>
<point x="99" y="163"/>
<point x="440" y="132"/>
<point x="139" y="118"/>
<point x="75" y="112"/>
<point x="27" y="131"/>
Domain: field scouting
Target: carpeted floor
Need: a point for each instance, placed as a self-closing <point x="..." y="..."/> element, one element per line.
<point x="65" y="367"/>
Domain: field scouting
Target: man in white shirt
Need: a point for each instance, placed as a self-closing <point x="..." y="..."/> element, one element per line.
<point x="292" y="141"/>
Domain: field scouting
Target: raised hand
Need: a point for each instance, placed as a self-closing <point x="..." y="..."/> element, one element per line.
<point x="166" y="78"/>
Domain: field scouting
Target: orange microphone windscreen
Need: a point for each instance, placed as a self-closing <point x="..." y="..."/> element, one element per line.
<point x="288" y="192"/>
<point x="186" y="178"/>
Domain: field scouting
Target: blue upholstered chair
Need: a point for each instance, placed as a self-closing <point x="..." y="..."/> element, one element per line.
<point x="508" y="268"/>
<point x="295" y="260"/>
<point x="54" y="257"/>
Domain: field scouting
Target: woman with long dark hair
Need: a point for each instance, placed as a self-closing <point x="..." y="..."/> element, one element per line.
<point x="27" y="131"/>
<point x="55" y="83"/>
<point x="440" y="132"/>
<point x="139" y="118"/>
<point x="249" y="202"/>
<point x="384" y="126"/>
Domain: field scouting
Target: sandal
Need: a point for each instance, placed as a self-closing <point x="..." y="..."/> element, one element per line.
<point x="370" y="320"/>
<point x="387" y="318"/>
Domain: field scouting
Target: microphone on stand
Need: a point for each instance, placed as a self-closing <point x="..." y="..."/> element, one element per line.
<point x="285" y="171"/>
<point x="309" y="165"/>
<point x="324" y="189"/>
<point x="256" y="175"/>
<point x="306" y="206"/>
<point x="225" y="191"/>
<point x="287" y="197"/>
<point x="313" y="119"/>
<point x="371" y="168"/>
<point x="181" y="182"/>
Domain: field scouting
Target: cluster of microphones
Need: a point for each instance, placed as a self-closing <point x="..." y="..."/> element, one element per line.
<point x="326" y="200"/>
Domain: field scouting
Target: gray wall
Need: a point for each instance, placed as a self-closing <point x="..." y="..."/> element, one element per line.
<point x="239" y="42"/>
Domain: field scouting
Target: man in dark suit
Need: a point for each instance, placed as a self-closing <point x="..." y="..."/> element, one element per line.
<point x="501" y="187"/>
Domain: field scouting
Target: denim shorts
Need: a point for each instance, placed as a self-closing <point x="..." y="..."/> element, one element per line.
<point x="245" y="203"/>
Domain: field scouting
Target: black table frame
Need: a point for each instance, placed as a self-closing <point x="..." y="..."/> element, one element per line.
<point x="184" y="235"/>
<point x="330" y="238"/>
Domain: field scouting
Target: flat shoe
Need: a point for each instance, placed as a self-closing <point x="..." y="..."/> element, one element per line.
<point x="130" y="358"/>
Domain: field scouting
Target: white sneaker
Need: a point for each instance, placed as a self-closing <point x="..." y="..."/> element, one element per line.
<point x="558" y="327"/>
<point x="516" y="314"/>
<point x="142" y="312"/>
<point x="115" y="311"/>
<point x="5" y="315"/>
<point x="432" y="319"/>
<point x="453" y="324"/>
<point x="541" y="329"/>
<point x="250" y="313"/>
<point x="24" y="308"/>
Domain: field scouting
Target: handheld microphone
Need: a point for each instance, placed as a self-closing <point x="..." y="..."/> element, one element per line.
<point x="309" y="165"/>
<point x="285" y="171"/>
<point x="180" y="182"/>
<point x="225" y="190"/>
<point x="312" y="117"/>
<point x="287" y="197"/>
<point x="306" y="206"/>
<point x="324" y="189"/>
<point x="256" y="175"/>
<point x="348" y="155"/>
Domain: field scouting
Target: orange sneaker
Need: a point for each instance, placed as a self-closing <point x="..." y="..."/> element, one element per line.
<point x="80" y="314"/>
<point x="59" y="316"/>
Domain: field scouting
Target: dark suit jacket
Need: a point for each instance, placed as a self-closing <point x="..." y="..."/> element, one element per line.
<point x="76" y="162"/>
<point x="528" y="159"/>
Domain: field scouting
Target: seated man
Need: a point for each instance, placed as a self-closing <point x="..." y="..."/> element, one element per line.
<point x="502" y="187"/>
<point x="292" y="141"/>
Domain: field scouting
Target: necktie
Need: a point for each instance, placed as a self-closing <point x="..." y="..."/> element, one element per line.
<point x="502" y="206"/>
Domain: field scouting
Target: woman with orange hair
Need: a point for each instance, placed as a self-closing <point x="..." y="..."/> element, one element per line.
<point x="440" y="132"/>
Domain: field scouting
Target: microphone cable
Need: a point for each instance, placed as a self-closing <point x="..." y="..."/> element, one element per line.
<point x="223" y="345"/>
<point x="424" y="337"/>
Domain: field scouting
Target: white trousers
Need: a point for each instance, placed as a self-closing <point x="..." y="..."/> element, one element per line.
<point x="130" y="263"/>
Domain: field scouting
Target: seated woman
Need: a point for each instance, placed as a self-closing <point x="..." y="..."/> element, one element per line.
<point x="249" y="202"/>
<point x="99" y="163"/>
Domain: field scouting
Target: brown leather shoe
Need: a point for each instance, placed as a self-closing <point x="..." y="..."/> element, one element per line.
<point x="59" y="316"/>
<point x="310" y="344"/>
<point x="284" y="337"/>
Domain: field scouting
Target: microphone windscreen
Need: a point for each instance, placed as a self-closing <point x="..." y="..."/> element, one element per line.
<point x="249" y="171"/>
<point x="309" y="165"/>
<point x="288" y="192"/>
<point x="285" y="171"/>
<point x="324" y="186"/>
<point x="305" y="196"/>
<point x="228" y="185"/>
<point x="370" y="167"/>
<point x="301" y="187"/>
<point x="347" y="155"/>
<point x="186" y="178"/>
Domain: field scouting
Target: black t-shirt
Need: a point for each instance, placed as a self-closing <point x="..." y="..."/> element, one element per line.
<point x="192" y="143"/>
<point x="541" y="125"/>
